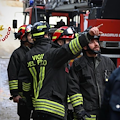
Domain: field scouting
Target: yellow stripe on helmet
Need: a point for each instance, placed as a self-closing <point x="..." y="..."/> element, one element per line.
<point x="43" y="26"/>
<point x="38" y="34"/>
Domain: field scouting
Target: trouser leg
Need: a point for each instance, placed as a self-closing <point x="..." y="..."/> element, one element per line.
<point x="23" y="111"/>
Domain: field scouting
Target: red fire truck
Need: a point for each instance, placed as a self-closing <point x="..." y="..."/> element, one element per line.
<point x="105" y="12"/>
<point x="109" y="16"/>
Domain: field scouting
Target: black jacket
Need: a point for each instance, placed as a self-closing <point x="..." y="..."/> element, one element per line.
<point x="110" y="109"/>
<point x="89" y="78"/>
<point x="13" y="69"/>
<point x="43" y="73"/>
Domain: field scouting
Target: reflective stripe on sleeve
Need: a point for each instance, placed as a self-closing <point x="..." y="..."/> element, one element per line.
<point x="75" y="46"/>
<point x="13" y="84"/>
<point x="76" y="99"/>
<point x="26" y="86"/>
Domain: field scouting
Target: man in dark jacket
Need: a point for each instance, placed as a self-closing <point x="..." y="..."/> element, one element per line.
<point x="58" y="39"/>
<point x="90" y="73"/>
<point x="24" y="36"/>
<point x="110" y="108"/>
<point x="43" y="71"/>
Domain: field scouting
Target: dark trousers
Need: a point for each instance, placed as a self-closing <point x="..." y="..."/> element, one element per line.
<point x="70" y="115"/>
<point x="43" y="116"/>
<point x="114" y="115"/>
<point x="23" y="111"/>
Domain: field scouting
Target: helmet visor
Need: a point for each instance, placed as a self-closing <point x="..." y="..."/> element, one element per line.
<point x="28" y="28"/>
<point x="68" y="31"/>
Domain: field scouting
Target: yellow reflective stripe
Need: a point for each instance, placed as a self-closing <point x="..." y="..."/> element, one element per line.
<point x="76" y="35"/>
<point x="71" y="47"/>
<point x="50" y="106"/>
<point x="75" y="46"/>
<point x="34" y="74"/>
<point x="38" y="86"/>
<point x="61" y="31"/>
<point x="26" y="86"/>
<point x="42" y="26"/>
<point x="54" y="37"/>
<point x="13" y="84"/>
<point x="81" y="99"/>
<point x="93" y="117"/>
<point x="49" y="101"/>
<point x="68" y="99"/>
<point x="21" y="28"/>
<point x="78" y="43"/>
<point x="41" y="78"/>
<point x="73" y="97"/>
<point x="76" y="103"/>
<point x="76" y="99"/>
<point x="37" y="34"/>
<point x="49" y="109"/>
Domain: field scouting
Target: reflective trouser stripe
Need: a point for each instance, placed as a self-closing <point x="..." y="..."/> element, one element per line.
<point x="49" y="106"/>
<point x="13" y="84"/>
<point x="76" y="99"/>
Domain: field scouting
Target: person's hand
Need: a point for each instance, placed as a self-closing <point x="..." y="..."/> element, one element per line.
<point x="81" y="114"/>
<point x="16" y="99"/>
<point x="95" y="30"/>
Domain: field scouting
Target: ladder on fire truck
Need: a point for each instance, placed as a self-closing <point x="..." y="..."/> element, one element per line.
<point x="64" y="4"/>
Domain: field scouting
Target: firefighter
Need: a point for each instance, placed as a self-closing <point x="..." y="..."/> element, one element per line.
<point x="15" y="86"/>
<point x="60" y="37"/>
<point x="110" y="108"/>
<point x="43" y="71"/>
<point x="63" y="35"/>
<point x="90" y="73"/>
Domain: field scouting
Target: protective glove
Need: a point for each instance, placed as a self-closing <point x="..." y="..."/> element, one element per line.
<point x="81" y="114"/>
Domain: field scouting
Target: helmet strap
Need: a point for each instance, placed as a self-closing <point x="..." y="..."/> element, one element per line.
<point x="92" y="51"/>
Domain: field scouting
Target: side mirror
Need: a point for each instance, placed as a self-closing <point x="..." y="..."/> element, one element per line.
<point x="14" y="23"/>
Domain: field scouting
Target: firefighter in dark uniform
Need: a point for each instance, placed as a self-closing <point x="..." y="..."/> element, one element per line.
<point x="110" y="108"/>
<point x="64" y="35"/>
<point x="90" y="73"/>
<point x="43" y="71"/>
<point x="15" y="87"/>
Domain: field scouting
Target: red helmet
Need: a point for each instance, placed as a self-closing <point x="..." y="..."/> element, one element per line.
<point x="63" y="33"/>
<point x="21" y="31"/>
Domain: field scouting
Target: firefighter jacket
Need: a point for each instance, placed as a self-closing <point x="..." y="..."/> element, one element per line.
<point x="89" y="77"/>
<point x="110" y="109"/>
<point x="13" y="69"/>
<point x="43" y="74"/>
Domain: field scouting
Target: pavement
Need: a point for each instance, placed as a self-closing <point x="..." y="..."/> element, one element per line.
<point x="8" y="109"/>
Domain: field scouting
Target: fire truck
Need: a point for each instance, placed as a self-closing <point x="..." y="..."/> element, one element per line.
<point x="51" y="12"/>
<point x="73" y="14"/>
<point x="108" y="15"/>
